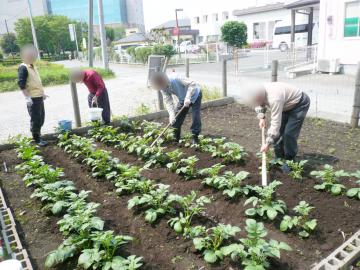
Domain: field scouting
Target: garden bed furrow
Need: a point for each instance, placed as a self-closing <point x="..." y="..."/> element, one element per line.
<point x="38" y="232"/>
<point x="333" y="217"/>
<point x="167" y="250"/>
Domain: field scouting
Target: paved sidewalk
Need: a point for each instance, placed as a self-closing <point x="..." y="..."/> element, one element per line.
<point x="331" y="96"/>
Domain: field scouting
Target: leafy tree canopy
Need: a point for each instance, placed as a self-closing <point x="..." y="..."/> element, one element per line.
<point x="52" y="33"/>
<point x="8" y="43"/>
<point x="234" y="33"/>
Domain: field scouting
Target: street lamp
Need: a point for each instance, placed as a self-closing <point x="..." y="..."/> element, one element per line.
<point x="177" y="27"/>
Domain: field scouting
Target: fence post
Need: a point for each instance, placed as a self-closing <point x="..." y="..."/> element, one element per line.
<point x="75" y="101"/>
<point x="274" y="70"/>
<point x="224" y="77"/>
<point x="356" y="107"/>
<point x="187" y="67"/>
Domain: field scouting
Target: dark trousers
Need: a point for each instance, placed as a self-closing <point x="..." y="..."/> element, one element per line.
<point x="196" y="118"/>
<point x="37" y="117"/>
<point x="103" y="102"/>
<point x="286" y="147"/>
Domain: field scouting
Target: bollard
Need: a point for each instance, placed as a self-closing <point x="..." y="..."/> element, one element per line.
<point x="224" y="77"/>
<point x="274" y="70"/>
<point x="187" y="67"/>
<point x="75" y="101"/>
<point x="355" y="116"/>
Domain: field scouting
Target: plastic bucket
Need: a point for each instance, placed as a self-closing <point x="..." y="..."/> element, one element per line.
<point x="95" y="114"/>
<point x="65" y="125"/>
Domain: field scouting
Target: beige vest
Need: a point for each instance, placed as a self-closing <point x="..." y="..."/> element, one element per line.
<point x="33" y="82"/>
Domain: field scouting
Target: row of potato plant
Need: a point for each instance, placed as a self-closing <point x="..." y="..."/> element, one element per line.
<point x="84" y="231"/>
<point x="262" y="198"/>
<point x="215" y="243"/>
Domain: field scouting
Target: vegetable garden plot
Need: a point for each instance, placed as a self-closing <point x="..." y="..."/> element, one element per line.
<point x="227" y="192"/>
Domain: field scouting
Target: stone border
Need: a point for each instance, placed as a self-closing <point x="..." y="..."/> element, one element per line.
<point x="148" y="117"/>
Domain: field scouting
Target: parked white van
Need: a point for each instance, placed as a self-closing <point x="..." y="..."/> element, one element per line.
<point x="282" y="35"/>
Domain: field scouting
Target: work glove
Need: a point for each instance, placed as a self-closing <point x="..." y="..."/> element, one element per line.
<point x="95" y="100"/>
<point x="172" y="119"/>
<point x="187" y="102"/>
<point x="45" y="97"/>
<point x="29" y="101"/>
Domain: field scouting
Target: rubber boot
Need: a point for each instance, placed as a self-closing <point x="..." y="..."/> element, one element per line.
<point x="195" y="139"/>
<point x="177" y="135"/>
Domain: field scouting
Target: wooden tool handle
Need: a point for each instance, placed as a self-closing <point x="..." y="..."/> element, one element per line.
<point x="263" y="165"/>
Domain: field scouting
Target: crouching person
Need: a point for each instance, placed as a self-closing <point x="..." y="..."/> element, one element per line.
<point x="288" y="108"/>
<point x="188" y="94"/>
<point x="98" y="95"/>
<point x="30" y="83"/>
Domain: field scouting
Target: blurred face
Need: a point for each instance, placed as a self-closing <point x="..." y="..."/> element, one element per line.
<point x="29" y="55"/>
<point x="77" y="76"/>
<point x="159" y="83"/>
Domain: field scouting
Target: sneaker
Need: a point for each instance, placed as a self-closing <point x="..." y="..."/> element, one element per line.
<point x="195" y="140"/>
<point x="42" y="143"/>
<point x="285" y="168"/>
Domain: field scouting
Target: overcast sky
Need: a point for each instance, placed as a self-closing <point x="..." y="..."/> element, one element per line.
<point x="158" y="11"/>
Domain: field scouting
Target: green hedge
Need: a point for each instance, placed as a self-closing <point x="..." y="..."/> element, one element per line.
<point x="51" y="74"/>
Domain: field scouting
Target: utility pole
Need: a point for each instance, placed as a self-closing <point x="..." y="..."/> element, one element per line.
<point x="7" y="28"/>
<point x="355" y="116"/>
<point x="177" y="28"/>
<point x="103" y="35"/>
<point x="33" y="29"/>
<point x="76" y="41"/>
<point x="91" y="33"/>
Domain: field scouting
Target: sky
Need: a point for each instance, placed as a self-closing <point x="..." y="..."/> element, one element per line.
<point x="157" y="12"/>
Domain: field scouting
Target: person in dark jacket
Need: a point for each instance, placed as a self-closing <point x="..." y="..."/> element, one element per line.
<point x="98" y="95"/>
<point x="30" y="83"/>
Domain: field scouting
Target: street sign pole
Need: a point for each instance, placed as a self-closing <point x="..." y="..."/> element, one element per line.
<point x="103" y="35"/>
<point x="91" y="33"/>
<point x="33" y="29"/>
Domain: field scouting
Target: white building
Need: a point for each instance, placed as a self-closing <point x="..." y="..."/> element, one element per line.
<point x="12" y="10"/>
<point x="135" y="14"/>
<point x="340" y="32"/>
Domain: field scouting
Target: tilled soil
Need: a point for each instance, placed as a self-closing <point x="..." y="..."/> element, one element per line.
<point x="38" y="232"/>
<point x="321" y="142"/>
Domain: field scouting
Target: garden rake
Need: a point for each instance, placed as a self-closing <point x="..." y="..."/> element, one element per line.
<point x="167" y="127"/>
<point x="263" y="165"/>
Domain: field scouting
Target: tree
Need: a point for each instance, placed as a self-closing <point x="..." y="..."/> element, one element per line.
<point x="52" y="33"/>
<point x="110" y="33"/>
<point x="8" y="44"/>
<point x="119" y="32"/>
<point x="234" y="33"/>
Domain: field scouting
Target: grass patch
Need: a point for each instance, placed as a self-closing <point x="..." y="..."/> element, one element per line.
<point x="210" y="93"/>
<point x="50" y="73"/>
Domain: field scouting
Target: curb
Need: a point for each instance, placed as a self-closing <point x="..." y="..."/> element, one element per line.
<point x="11" y="238"/>
<point x="343" y="256"/>
<point x="117" y="123"/>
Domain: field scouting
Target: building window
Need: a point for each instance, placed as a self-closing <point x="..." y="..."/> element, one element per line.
<point x="352" y="19"/>
<point x="215" y="17"/>
<point x="205" y="18"/>
<point x="197" y="20"/>
<point x="225" y="15"/>
<point x="259" y="30"/>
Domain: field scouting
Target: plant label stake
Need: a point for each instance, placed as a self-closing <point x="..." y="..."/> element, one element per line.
<point x="263" y="165"/>
<point x="167" y="127"/>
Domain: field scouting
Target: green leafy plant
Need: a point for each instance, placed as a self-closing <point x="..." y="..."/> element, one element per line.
<point x="188" y="167"/>
<point x="355" y="192"/>
<point x="211" y="244"/>
<point x="230" y="152"/>
<point x="297" y="168"/>
<point x="102" y="255"/>
<point x="157" y="203"/>
<point x="175" y="158"/>
<point x="190" y="206"/>
<point x="301" y="221"/>
<point x="211" y="173"/>
<point x="254" y="251"/>
<point x="330" y="179"/>
<point x="263" y="203"/>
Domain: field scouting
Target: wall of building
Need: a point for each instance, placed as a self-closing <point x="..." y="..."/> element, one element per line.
<point x="332" y="43"/>
<point x="12" y="10"/>
<point x="135" y="14"/>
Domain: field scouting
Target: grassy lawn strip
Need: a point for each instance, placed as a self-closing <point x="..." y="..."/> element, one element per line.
<point x="50" y="73"/>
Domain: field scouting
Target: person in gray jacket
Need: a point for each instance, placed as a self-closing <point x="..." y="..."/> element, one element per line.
<point x="288" y="108"/>
<point x="188" y="94"/>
